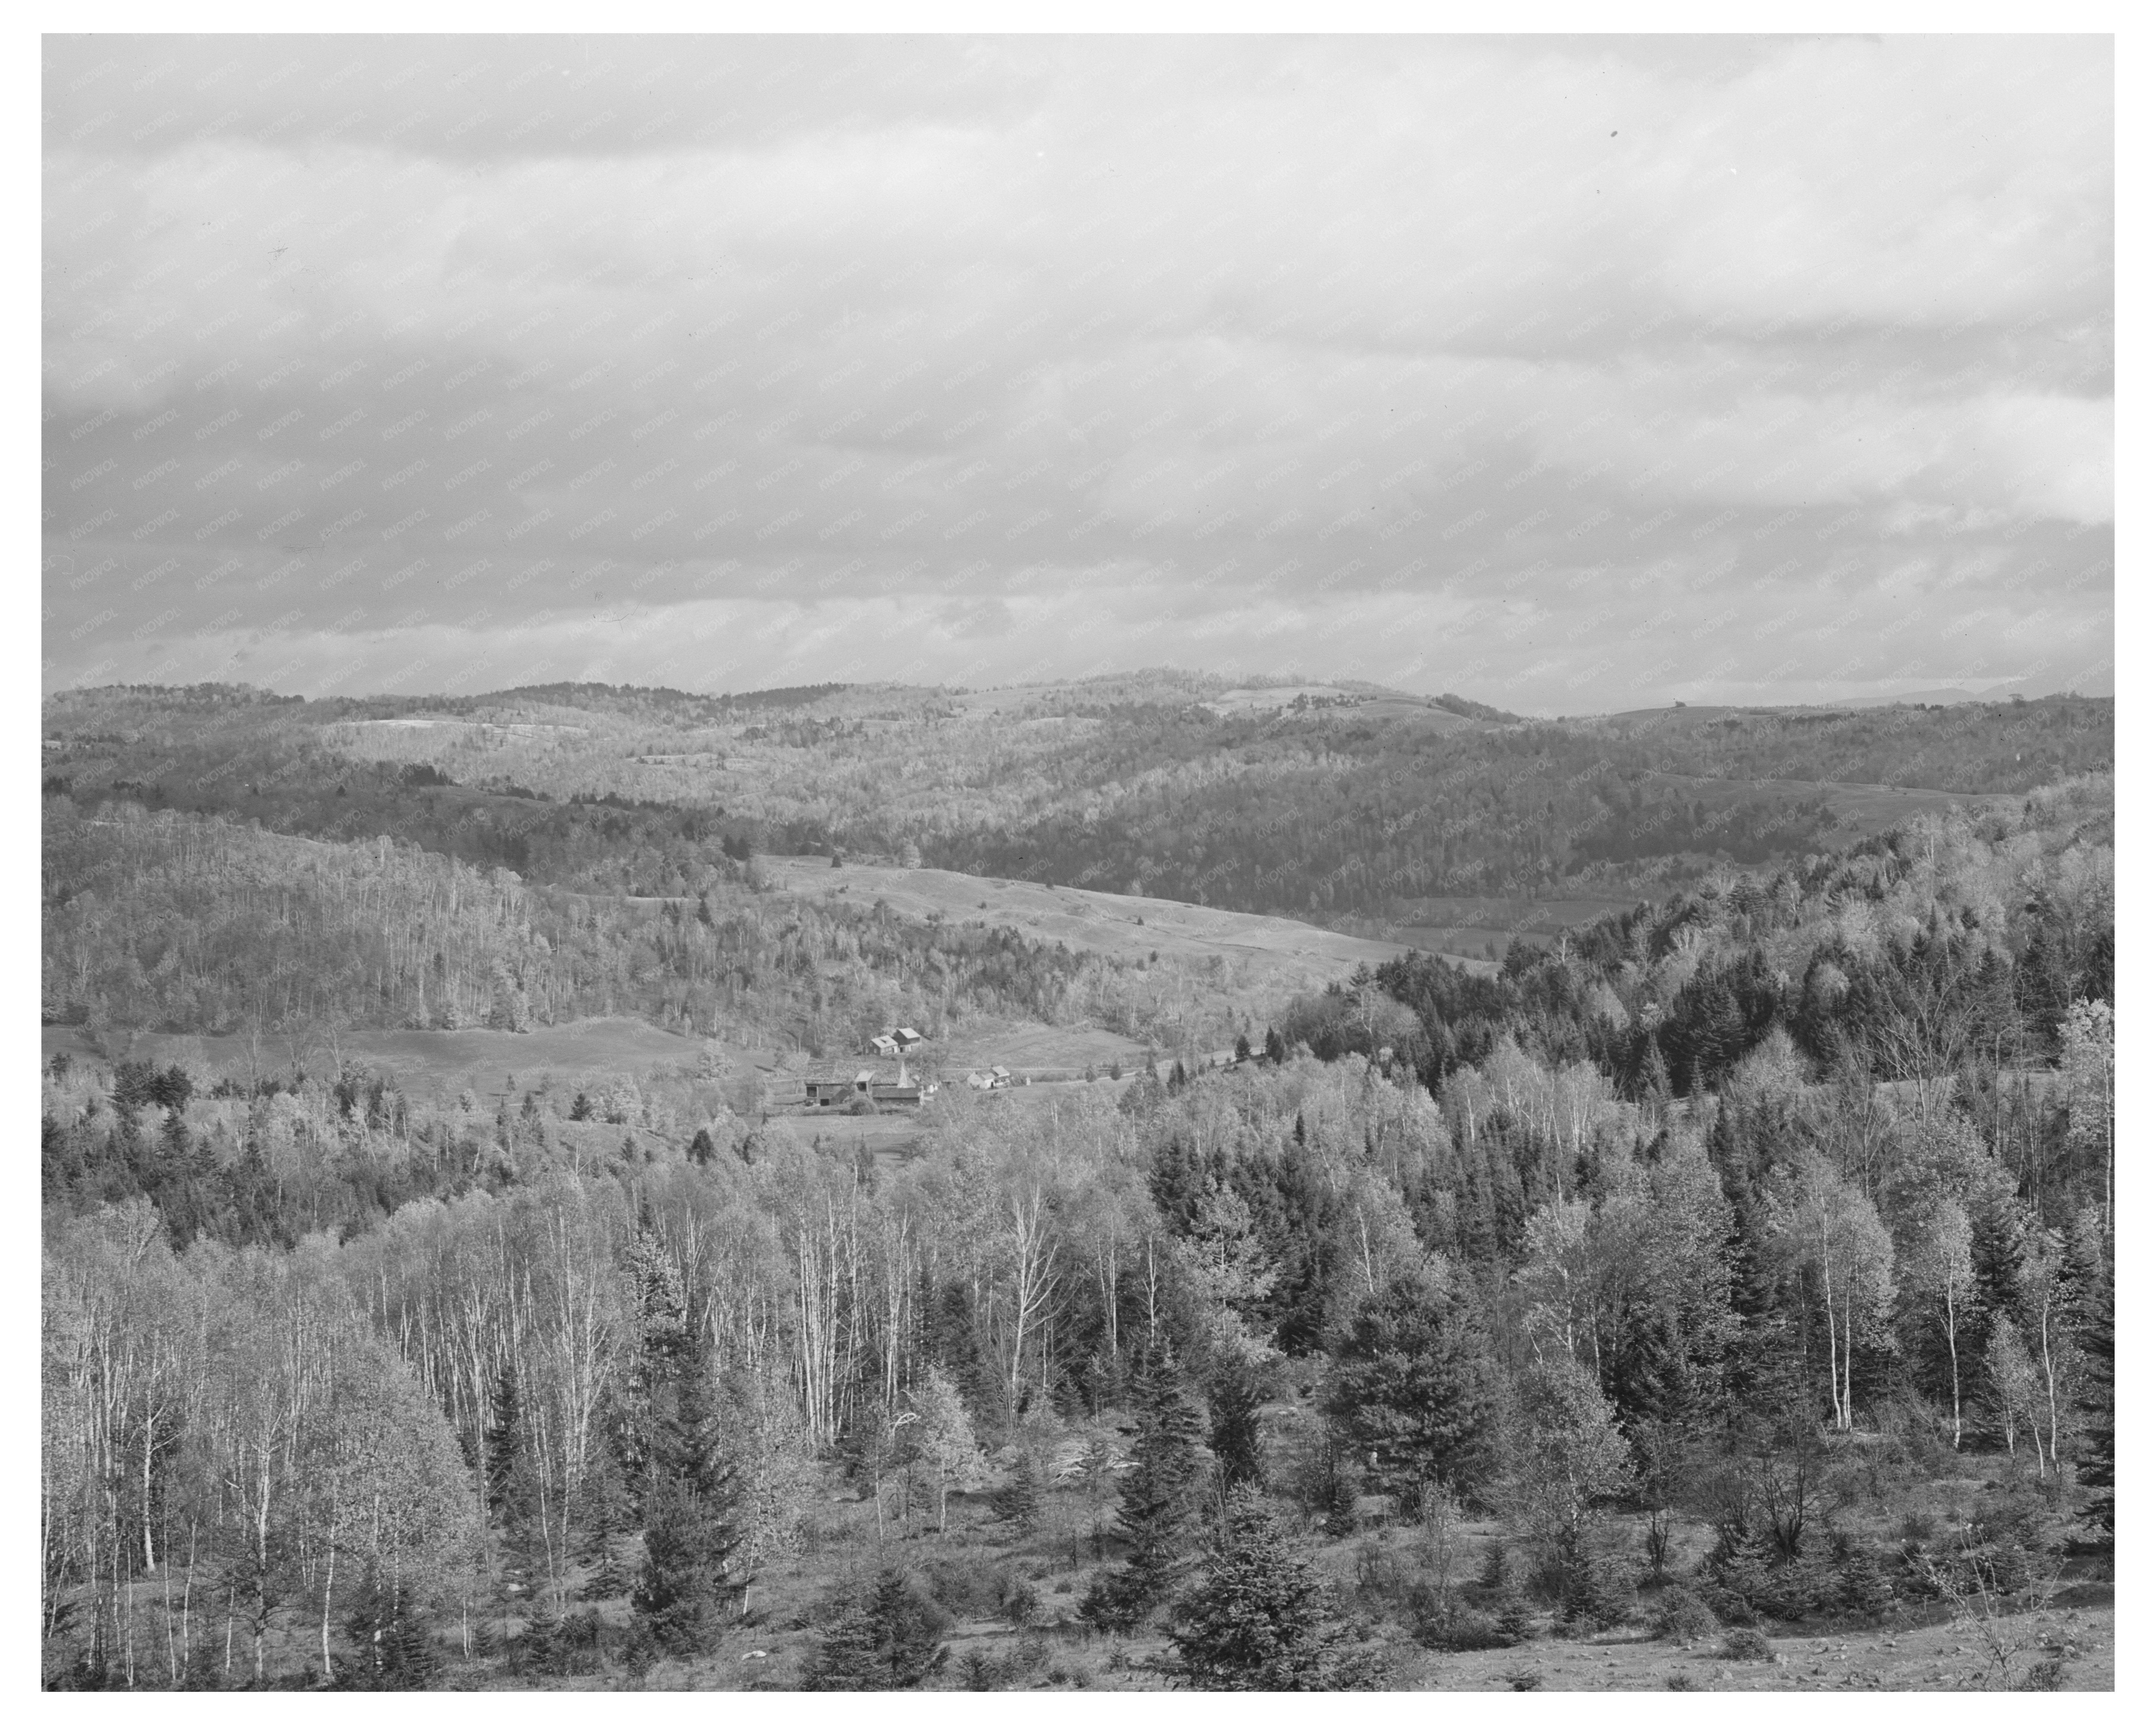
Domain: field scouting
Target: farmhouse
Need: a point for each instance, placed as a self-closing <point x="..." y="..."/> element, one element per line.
<point x="838" y="1092"/>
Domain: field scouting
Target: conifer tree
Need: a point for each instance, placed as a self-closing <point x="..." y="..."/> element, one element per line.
<point x="1237" y="1439"/>
<point x="1413" y="1386"/>
<point x="891" y="1638"/>
<point x="1159" y="1501"/>
<point x="1260" y="1616"/>
<point x="690" y="1531"/>
<point x="512" y="1492"/>
<point x="1019" y="1501"/>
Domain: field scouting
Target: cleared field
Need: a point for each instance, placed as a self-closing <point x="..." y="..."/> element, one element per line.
<point x="480" y="1060"/>
<point x="1038" y="1050"/>
<point x="1111" y="923"/>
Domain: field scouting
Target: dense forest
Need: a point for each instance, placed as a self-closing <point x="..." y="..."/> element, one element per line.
<point x="1739" y="1263"/>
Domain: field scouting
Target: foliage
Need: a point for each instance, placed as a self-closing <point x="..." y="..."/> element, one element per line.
<point x="1258" y="1616"/>
<point x="890" y="1637"/>
<point x="1412" y="1386"/>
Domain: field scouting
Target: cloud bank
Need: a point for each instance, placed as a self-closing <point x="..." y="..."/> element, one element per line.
<point x="1574" y="373"/>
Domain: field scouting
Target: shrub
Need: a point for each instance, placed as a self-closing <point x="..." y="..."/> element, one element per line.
<point x="1683" y="1681"/>
<point x="1866" y="1589"/>
<point x="1515" y="1618"/>
<point x="1595" y="1585"/>
<point x="1680" y="1615"/>
<point x="1524" y="1678"/>
<point x="1467" y="1630"/>
<point x="1747" y="1643"/>
<point x="967" y="1588"/>
<point x="2044" y="1674"/>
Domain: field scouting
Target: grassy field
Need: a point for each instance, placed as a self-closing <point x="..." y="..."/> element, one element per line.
<point x="1111" y="923"/>
<point x="422" y="1061"/>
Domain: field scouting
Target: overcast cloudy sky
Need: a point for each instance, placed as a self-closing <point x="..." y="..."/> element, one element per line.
<point x="1569" y="373"/>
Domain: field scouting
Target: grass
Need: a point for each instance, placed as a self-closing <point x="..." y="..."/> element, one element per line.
<point x="440" y="1060"/>
<point x="1114" y="924"/>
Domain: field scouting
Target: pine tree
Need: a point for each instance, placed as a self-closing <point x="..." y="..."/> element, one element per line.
<point x="1158" y="1500"/>
<point x="1238" y="1440"/>
<point x="602" y="1513"/>
<point x="657" y="1341"/>
<point x="891" y="1640"/>
<point x="512" y="1492"/>
<point x="1413" y="1386"/>
<point x="1019" y="1501"/>
<point x="505" y="1438"/>
<point x="1260" y="1616"/>
<point x="690" y="1531"/>
<point x="395" y="1649"/>
<point x="2095" y="1468"/>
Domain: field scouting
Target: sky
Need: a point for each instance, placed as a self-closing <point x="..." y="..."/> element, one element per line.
<point x="1573" y="374"/>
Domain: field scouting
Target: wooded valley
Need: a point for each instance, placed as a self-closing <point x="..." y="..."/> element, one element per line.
<point x="1727" y="1270"/>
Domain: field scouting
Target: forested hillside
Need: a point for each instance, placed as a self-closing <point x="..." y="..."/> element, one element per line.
<point x="1140" y="784"/>
<point x="1737" y="1266"/>
<point x="179" y="922"/>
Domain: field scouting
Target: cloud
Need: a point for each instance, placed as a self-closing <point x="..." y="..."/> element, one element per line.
<point x="1300" y="346"/>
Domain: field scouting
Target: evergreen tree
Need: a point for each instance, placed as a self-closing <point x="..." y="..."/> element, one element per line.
<point x="512" y="1498"/>
<point x="505" y="1438"/>
<point x="1260" y="1616"/>
<point x="395" y="1649"/>
<point x="1413" y="1388"/>
<point x="690" y="1531"/>
<point x="2093" y="1296"/>
<point x="602" y="1513"/>
<point x="657" y="1340"/>
<point x="1019" y="1501"/>
<point x="891" y="1640"/>
<point x="1237" y="1438"/>
<point x="1158" y="1500"/>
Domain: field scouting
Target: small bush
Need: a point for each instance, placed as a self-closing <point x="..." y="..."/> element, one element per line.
<point x="1524" y="1679"/>
<point x="1596" y="1586"/>
<point x="2044" y="1674"/>
<point x="1683" y="1681"/>
<point x="967" y="1588"/>
<point x="1748" y="1645"/>
<point x="1680" y="1615"/>
<point x="1867" y="1590"/>
<point x="1515" y="1618"/>
<point x="1467" y="1630"/>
